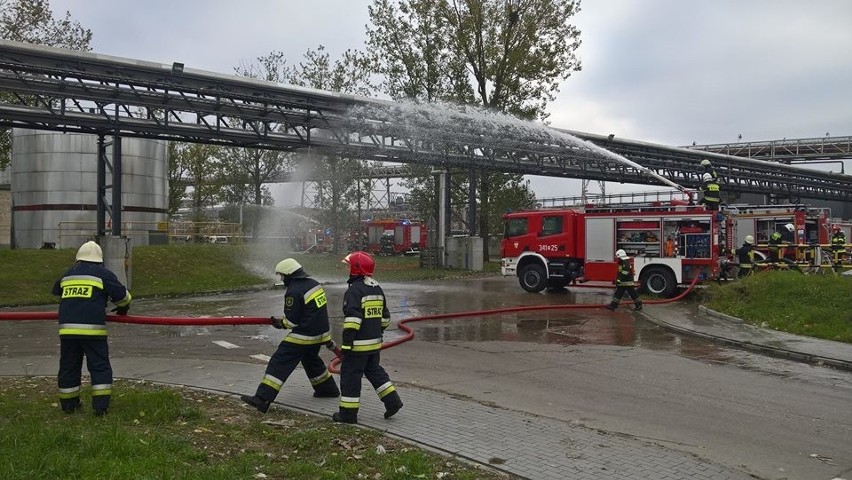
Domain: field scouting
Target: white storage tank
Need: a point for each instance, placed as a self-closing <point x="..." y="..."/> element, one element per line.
<point x="54" y="188"/>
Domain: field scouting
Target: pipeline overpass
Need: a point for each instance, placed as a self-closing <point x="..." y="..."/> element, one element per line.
<point x="56" y="89"/>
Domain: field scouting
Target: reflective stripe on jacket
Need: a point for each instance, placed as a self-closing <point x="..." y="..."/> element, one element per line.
<point x="84" y="291"/>
<point x="306" y="312"/>
<point x="365" y="316"/>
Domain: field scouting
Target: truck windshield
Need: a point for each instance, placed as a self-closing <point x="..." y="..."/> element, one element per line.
<point x="515" y="227"/>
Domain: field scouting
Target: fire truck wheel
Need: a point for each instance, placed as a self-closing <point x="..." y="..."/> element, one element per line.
<point x="659" y="281"/>
<point x="532" y="278"/>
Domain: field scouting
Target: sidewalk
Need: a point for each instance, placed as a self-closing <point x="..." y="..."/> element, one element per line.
<point x="514" y="442"/>
<point x="729" y="330"/>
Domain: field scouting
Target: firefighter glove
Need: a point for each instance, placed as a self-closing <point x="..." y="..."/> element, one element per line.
<point x="276" y="322"/>
<point x="121" y="310"/>
<point x="331" y="345"/>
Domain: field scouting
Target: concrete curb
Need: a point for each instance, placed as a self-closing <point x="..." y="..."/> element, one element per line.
<point x="755" y="347"/>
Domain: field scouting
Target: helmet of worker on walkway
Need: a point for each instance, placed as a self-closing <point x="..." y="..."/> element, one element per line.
<point x="749" y="240"/>
<point x="706" y="177"/>
<point x="360" y="264"/>
<point x="835" y="228"/>
<point x="705" y="163"/>
<point x="90" y="252"/>
<point x="789" y="227"/>
<point x="289" y="268"/>
<point x="621" y="254"/>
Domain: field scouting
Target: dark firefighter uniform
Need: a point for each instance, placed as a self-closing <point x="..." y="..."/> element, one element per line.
<point x="84" y="291"/>
<point x="745" y="255"/>
<point x="775" y="244"/>
<point x="366" y="316"/>
<point x="838" y="248"/>
<point x="306" y="314"/>
<point x="712" y="197"/>
<point x="624" y="283"/>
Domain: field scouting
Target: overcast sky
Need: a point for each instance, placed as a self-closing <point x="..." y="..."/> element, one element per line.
<point x="663" y="71"/>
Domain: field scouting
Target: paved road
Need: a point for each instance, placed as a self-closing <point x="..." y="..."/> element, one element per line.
<point x="545" y="395"/>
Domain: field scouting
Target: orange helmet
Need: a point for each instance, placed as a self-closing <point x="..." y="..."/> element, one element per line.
<point x="360" y="264"/>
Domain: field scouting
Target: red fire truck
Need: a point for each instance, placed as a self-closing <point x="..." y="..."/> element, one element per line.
<point x="394" y="237"/>
<point x="670" y="244"/>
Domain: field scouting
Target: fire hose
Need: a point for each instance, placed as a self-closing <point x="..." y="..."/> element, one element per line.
<point x="334" y="364"/>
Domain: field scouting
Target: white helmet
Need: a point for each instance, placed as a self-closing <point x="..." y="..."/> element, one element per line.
<point x="288" y="266"/>
<point x="90" y="252"/>
<point x="749" y="240"/>
<point x="621" y="254"/>
<point x="789" y="227"/>
<point x="706" y="177"/>
<point x="705" y="162"/>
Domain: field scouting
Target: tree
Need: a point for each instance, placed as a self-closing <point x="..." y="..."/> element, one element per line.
<point x="253" y="168"/>
<point x="514" y="53"/>
<point x="199" y="166"/>
<point x="32" y="21"/>
<point x="336" y="178"/>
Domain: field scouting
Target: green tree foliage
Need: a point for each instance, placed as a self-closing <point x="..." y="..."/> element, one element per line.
<point x="335" y="178"/>
<point x="198" y="165"/>
<point x="252" y="168"/>
<point x="32" y="21"/>
<point x="506" y="55"/>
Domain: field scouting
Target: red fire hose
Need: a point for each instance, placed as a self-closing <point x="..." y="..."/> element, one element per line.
<point x="334" y="365"/>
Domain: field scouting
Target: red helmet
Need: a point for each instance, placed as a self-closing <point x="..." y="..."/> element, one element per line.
<point x="836" y="228"/>
<point x="360" y="263"/>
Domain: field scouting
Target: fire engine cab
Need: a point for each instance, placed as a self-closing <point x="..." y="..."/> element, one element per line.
<point x="670" y="245"/>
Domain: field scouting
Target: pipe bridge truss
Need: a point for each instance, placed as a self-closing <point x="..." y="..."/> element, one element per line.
<point x="56" y="89"/>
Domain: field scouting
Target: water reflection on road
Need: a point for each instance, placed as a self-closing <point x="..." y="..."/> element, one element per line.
<point x="593" y="326"/>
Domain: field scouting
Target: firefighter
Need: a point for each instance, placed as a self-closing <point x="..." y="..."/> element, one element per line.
<point x="745" y="254"/>
<point x="366" y="316"/>
<point x="708" y="168"/>
<point x="838" y="247"/>
<point x="84" y="291"/>
<point x="776" y="246"/>
<point x="712" y="196"/>
<point x="306" y="314"/>
<point x="624" y="282"/>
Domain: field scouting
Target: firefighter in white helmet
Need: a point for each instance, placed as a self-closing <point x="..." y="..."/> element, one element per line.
<point x="776" y="244"/>
<point x="624" y="282"/>
<point x="745" y="254"/>
<point x="84" y="291"/>
<point x="306" y="314"/>
<point x="712" y="195"/>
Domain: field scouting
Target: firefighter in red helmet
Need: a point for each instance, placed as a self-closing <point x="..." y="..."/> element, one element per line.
<point x="365" y="317"/>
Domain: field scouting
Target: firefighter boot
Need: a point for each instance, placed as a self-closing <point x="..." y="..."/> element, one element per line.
<point x="326" y="389"/>
<point x="612" y="306"/>
<point x="260" y="404"/>
<point x="70" y="405"/>
<point x="638" y="305"/>
<point x="392" y="404"/>
<point x="346" y="415"/>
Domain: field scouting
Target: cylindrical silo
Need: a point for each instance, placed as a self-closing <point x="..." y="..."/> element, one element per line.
<point x="5" y="207"/>
<point x="54" y="188"/>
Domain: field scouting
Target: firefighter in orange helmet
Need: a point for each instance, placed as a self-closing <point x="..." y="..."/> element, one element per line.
<point x="366" y="316"/>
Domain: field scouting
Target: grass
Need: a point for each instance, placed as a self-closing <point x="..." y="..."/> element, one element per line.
<point x="154" y="432"/>
<point x="812" y="305"/>
<point x="28" y="275"/>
